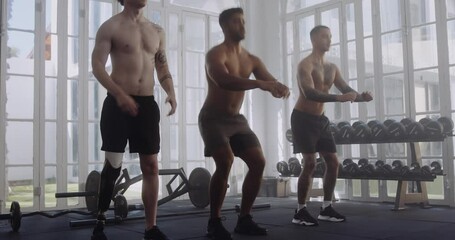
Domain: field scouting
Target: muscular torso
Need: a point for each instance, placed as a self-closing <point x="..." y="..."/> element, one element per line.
<point x="323" y="78"/>
<point x="226" y="101"/>
<point x="133" y="49"/>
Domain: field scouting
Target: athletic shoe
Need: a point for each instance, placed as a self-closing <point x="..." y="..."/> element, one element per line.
<point x="329" y="214"/>
<point x="154" y="233"/>
<point x="216" y="230"/>
<point x="303" y="217"/>
<point x="246" y="225"/>
<point x="98" y="231"/>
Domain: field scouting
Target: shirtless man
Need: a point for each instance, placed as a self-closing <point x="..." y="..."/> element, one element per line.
<point x="225" y="132"/>
<point x="310" y="127"/>
<point x="136" y="47"/>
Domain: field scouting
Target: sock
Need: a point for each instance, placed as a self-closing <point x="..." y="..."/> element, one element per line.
<point x="326" y="204"/>
<point x="300" y="206"/>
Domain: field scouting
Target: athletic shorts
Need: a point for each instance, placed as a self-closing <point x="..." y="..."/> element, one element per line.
<point x="219" y="129"/>
<point x="311" y="133"/>
<point x="142" y="131"/>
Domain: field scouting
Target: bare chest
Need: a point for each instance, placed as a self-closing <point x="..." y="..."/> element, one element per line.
<point x="323" y="75"/>
<point x="136" y="38"/>
<point x="241" y="66"/>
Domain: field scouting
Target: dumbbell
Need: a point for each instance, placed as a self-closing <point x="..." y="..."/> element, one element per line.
<point x="396" y="130"/>
<point x="426" y="173"/>
<point x="382" y="169"/>
<point x="283" y="168"/>
<point x="414" y="130"/>
<point x="396" y="167"/>
<point x="365" y="168"/>
<point x="319" y="169"/>
<point x="378" y="131"/>
<point x="447" y="124"/>
<point x="436" y="168"/>
<point x="350" y="168"/>
<point x="294" y="166"/>
<point x="333" y="128"/>
<point x="415" y="171"/>
<point x="361" y="133"/>
<point x="432" y="127"/>
<point x="345" y="132"/>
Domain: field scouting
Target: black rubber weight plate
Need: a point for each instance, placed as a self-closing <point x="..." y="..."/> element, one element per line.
<point x="91" y="185"/>
<point x="199" y="187"/>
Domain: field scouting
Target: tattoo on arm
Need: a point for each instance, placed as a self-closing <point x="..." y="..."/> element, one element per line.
<point x="166" y="76"/>
<point x="346" y="89"/>
<point x="317" y="96"/>
<point x="160" y="57"/>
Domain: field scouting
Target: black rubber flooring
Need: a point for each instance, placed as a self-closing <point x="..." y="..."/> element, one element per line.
<point x="364" y="221"/>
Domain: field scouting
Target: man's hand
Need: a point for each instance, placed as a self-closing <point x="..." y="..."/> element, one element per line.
<point x="350" y="96"/>
<point x="171" y="100"/>
<point x="366" y="96"/>
<point x="277" y="89"/>
<point x="127" y="104"/>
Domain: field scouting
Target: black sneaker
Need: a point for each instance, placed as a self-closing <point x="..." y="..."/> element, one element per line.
<point x="329" y="214"/>
<point x="155" y="234"/>
<point x="98" y="231"/>
<point x="246" y="225"/>
<point x="303" y="217"/>
<point x="216" y="230"/>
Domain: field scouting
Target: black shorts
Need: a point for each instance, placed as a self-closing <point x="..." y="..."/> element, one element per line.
<point x="218" y="129"/>
<point x="311" y="133"/>
<point x="142" y="131"/>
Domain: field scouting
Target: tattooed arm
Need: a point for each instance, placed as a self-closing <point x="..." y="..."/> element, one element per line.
<point x="164" y="76"/>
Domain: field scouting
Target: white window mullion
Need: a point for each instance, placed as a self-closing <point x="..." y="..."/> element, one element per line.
<point x="3" y="192"/>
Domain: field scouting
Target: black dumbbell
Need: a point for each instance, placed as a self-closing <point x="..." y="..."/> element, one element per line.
<point x="415" y="131"/>
<point x="319" y="170"/>
<point x="378" y="131"/>
<point x="406" y="121"/>
<point x="436" y="168"/>
<point x="365" y="168"/>
<point x="447" y="124"/>
<point x="350" y="168"/>
<point x="343" y="123"/>
<point x="283" y="168"/>
<point x="432" y="127"/>
<point x="396" y="167"/>
<point x="382" y="169"/>
<point x="396" y="130"/>
<point x="344" y="134"/>
<point x="415" y="170"/>
<point x="294" y="167"/>
<point x="426" y="172"/>
<point x="388" y="122"/>
<point x="361" y="133"/>
<point x="333" y="129"/>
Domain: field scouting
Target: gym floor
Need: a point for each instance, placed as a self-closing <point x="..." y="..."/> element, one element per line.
<point x="364" y="221"/>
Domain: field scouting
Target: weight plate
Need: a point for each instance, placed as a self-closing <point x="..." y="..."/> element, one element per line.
<point x="199" y="182"/>
<point x="120" y="206"/>
<point x="92" y="185"/>
<point x="16" y="216"/>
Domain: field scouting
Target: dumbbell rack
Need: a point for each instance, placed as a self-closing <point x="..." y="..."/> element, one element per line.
<point x="402" y="195"/>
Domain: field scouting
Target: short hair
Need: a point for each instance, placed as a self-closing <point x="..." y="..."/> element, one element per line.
<point x="227" y="14"/>
<point x="317" y="29"/>
<point x="121" y="2"/>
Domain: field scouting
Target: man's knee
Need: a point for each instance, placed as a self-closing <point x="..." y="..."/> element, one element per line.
<point x="149" y="165"/>
<point x="331" y="160"/>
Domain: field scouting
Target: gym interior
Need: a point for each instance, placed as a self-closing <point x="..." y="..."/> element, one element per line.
<point x="396" y="153"/>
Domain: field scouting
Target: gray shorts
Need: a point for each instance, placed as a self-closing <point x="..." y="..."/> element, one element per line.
<point x="218" y="130"/>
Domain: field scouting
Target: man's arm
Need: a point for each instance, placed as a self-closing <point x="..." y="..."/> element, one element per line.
<point x="306" y="84"/>
<point x="261" y="72"/>
<point x="100" y="54"/>
<point x="162" y="71"/>
<point x="345" y="88"/>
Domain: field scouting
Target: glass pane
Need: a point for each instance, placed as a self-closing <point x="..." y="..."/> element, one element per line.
<point x="295" y="5"/>
<point x="174" y="119"/>
<point x="72" y="143"/>
<point x="427" y="90"/>
<point x="99" y="13"/>
<point x="331" y="19"/>
<point x="195" y="33"/>
<point x="392" y="52"/>
<point x="94" y="143"/>
<point x="50" y="102"/>
<point x="21" y="14"/>
<point x="423" y="39"/>
<point x="194" y="100"/>
<point x="20" y="52"/>
<point x="173" y="32"/>
<point x="19" y="97"/>
<point x="73" y="184"/>
<point x="72" y="98"/>
<point x="352" y="59"/>
<point x="290" y="75"/>
<point x="450" y="8"/>
<point x="393" y="150"/>
<point x="194" y="70"/>
<point x="350" y="21"/>
<point x="19" y="143"/>
<point x="73" y="17"/>
<point x="431" y="149"/>
<point x="372" y="150"/>
<point x="51" y="55"/>
<point x="173" y="65"/>
<point x="216" y="33"/>
<point x="373" y="186"/>
<point x="371" y="106"/>
<point x="452" y="87"/>
<point x="369" y="57"/>
<point x="174" y="143"/>
<point x="422" y="11"/>
<point x="212" y="6"/>
<point x="96" y="95"/>
<point x="51" y="16"/>
<point x="50" y="187"/>
<point x="194" y="143"/>
<point x="73" y="57"/>
<point x="354" y="106"/>
<point x="367" y="18"/>
<point x="155" y="17"/>
<point x="290" y="37"/>
<point x="50" y="144"/>
<point x="451" y="36"/>
<point x="390" y="15"/>
<point x="334" y="55"/>
<point x="394" y="101"/>
<point x="305" y="26"/>
<point x="20" y="186"/>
